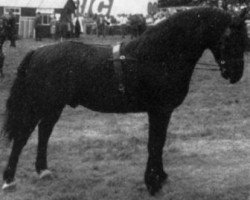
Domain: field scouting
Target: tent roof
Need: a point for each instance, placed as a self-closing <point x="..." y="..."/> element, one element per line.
<point x="56" y="4"/>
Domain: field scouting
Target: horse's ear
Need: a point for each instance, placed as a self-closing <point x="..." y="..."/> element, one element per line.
<point x="239" y="20"/>
<point x="243" y="14"/>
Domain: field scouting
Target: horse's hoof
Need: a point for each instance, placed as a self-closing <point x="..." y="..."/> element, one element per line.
<point x="45" y="174"/>
<point x="155" y="182"/>
<point x="9" y="186"/>
<point x="153" y="189"/>
<point x="164" y="178"/>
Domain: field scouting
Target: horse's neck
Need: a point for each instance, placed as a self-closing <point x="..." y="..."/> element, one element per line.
<point x="171" y="53"/>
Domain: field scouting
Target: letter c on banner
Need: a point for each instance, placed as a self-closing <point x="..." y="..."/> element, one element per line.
<point x="101" y="7"/>
<point x="152" y="8"/>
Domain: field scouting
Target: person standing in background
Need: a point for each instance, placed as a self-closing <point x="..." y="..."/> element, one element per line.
<point x="123" y="21"/>
<point x="11" y="28"/>
<point x="3" y="25"/>
<point x="101" y="26"/>
<point x="53" y="27"/>
<point x="108" y="25"/>
<point x="77" y="28"/>
<point x="1" y="62"/>
<point x="37" y="25"/>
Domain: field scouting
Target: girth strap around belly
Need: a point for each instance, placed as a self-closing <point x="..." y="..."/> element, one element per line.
<point x="118" y="61"/>
<point x="121" y="62"/>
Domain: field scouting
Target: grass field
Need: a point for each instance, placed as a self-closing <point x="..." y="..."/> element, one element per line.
<point x="103" y="156"/>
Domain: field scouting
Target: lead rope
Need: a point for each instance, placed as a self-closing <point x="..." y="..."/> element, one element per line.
<point x="215" y="67"/>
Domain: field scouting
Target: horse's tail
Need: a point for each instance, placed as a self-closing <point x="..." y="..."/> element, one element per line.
<point x="17" y="101"/>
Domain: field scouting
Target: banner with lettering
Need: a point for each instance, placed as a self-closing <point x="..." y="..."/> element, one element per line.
<point x="96" y="7"/>
<point x="115" y="7"/>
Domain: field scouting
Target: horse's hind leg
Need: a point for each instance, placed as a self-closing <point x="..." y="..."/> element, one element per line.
<point x="19" y="141"/>
<point x="155" y="175"/>
<point x="45" y="128"/>
<point x="1" y="62"/>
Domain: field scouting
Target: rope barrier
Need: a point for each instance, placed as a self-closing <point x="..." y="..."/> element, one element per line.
<point x="212" y="67"/>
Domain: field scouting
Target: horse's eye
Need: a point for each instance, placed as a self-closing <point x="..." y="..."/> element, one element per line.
<point x="223" y="62"/>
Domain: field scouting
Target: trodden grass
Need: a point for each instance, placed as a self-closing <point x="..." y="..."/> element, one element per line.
<point x="103" y="156"/>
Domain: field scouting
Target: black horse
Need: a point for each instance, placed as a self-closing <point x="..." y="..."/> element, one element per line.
<point x="156" y="73"/>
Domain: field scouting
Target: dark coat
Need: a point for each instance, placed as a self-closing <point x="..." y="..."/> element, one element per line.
<point x="38" y="21"/>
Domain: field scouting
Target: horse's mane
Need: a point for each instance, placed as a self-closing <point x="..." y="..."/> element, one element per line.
<point x="205" y="14"/>
<point x="181" y="29"/>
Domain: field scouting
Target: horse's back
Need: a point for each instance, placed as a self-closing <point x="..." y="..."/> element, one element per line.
<point x="55" y="71"/>
<point x="67" y="57"/>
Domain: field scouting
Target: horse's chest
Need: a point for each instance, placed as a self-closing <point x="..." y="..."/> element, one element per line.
<point x="159" y="88"/>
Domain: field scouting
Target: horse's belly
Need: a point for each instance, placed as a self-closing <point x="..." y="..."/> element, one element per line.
<point x="105" y="93"/>
<point x="119" y="102"/>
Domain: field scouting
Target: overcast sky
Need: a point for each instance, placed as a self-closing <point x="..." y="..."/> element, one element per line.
<point x="130" y="6"/>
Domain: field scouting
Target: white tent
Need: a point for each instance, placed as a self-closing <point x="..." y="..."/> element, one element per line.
<point x="131" y="6"/>
<point x="34" y="3"/>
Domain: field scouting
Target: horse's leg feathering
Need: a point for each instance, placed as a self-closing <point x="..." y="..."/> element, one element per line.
<point x="45" y="174"/>
<point x="9" y="186"/>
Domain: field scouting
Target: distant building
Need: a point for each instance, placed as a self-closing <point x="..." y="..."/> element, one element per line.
<point x="182" y="3"/>
<point x="25" y="12"/>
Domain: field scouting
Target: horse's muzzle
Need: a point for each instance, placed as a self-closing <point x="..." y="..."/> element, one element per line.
<point x="236" y="71"/>
<point x="232" y="70"/>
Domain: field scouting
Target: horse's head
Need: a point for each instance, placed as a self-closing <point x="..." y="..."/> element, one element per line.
<point x="229" y="51"/>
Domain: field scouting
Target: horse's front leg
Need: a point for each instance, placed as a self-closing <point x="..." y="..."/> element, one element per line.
<point x="155" y="175"/>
